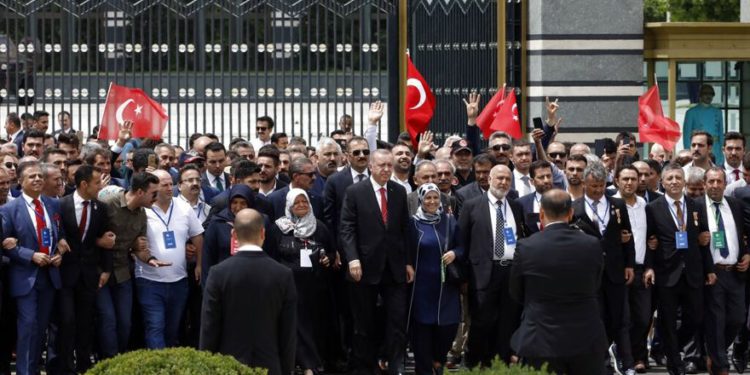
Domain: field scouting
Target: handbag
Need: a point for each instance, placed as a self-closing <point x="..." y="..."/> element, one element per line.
<point x="454" y="272"/>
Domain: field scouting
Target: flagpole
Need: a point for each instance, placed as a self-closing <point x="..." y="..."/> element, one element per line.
<point x="106" y="100"/>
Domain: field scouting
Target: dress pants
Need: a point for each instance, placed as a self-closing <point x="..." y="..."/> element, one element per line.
<point x="640" y="301"/>
<point x="363" y="299"/>
<point x="725" y="313"/>
<point x="430" y="343"/>
<point x="494" y="318"/>
<point x="585" y="364"/>
<point x="191" y="320"/>
<point x="75" y="334"/>
<point x="612" y="302"/>
<point x="690" y="300"/>
<point x="34" y="311"/>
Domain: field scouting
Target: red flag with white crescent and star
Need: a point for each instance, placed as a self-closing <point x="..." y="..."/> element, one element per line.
<point x="125" y="103"/>
<point x="420" y="102"/>
<point x="653" y="126"/>
<point x="506" y="119"/>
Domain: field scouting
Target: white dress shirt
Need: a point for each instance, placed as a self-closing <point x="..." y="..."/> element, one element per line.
<point x="405" y="184"/>
<point x="250" y="248"/>
<point x="213" y="180"/>
<point x="78" y="205"/>
<point x="730" y="172"/>
<point x="354" y="173"/>
<point x="510" y="222"/>
<point x="258" y="143"/>
<point x="201" y="208"/>
<point x="601" y="217"/>
<point x="376" y="188"/>
<point x="537" y="200"/>
<point x="522" y="188"/>
<point x="673" y="210"/>
<point x="638" y="226"/>
<point x="32" y="212"/>
<point x="730" y="231"/>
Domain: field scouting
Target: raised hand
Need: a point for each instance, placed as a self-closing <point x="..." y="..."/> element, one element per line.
<point x="552" y="108"/>
<point x="426" y="145"/>
<point x="376" y="112"/>
<point x="472" y="107"/>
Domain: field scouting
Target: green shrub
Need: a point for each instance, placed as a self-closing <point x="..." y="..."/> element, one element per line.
<point x="500" y="368"/>
<point x="174" y="361"/>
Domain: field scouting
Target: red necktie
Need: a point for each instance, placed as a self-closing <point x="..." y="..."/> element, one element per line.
<point x="84" y="217"/>
<point x="41" y="224"/>
<point x="736" y="174"/>
<point x="383" y="206"/>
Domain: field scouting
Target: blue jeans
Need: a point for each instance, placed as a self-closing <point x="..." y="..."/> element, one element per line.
<point x="114" y="303"/>
<point x="163" y="305"/>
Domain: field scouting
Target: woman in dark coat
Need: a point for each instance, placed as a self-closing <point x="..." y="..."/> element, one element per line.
<point x="435" y="307"/>
<point x="302" y="243"/>
<point x="217" y="240"/>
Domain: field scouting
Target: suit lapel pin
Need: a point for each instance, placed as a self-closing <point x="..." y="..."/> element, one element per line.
<point x="695" y="218"/>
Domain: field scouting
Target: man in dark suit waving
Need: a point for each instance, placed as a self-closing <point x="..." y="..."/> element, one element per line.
<point x="490" y="225"/>
<point x="372" y="235"/>
<point x="681" y="264"/>
<point x="556" y="275"/>
<point x="34" y="243"/>
<point x="84" y="269"/>
<point x="250" y="303"/>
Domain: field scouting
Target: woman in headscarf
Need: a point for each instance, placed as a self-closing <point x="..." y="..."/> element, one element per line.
<point x="435" y="308"/>
<point x="302" y="243"/>
<point x="217" y="240"/>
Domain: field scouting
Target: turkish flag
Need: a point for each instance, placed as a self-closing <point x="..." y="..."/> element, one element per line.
<point x="484" y="120"/>
<point x="125" y="103"/>
<point x="420" y="102"/>
<point x="507" y="119"/>
<point x="653" y="126"/>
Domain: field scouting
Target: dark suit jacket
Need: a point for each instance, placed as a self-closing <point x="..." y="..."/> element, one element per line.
<point x="333" y="198"/>
<point x="477" y="238"/>
<point x="450" y="204"/>
<point x="558" y="287"/>
<point x="651" y="196"/>
<point x="84" y="257"/>
<point x="743" y="196"/>
<point x="18" y="140"/>
<point x="530" y="218"/>
<point x="364" y="236"/>
<point x="617" y="255"/>
<point x="17" y="223"/>
<point x="278" y="203"/>
<point x="739" y="219"/>
<point x="206" y="182"/>
<point x="250" y="312"/>
<point x="473" y="190"/>
<point x="667" y="261"/>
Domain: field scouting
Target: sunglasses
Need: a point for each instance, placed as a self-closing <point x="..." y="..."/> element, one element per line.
<point x="503" y="147"/>
<point x="556" y="155"/>
<point x="10" y="165"/>
<point x="364" y="152"/>
<point x="261" y="128"/>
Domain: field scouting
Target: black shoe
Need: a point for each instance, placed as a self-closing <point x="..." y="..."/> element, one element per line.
<point x="658" y="359"/>
<point x="675" y="371"/>
<point x="739" y="360"/>
<point x="691" y="368"/>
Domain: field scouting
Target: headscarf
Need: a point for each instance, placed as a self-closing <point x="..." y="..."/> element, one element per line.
<point x="303" y="227"/>
<point x="237" y="191"/>
<point x="422" y="215"/>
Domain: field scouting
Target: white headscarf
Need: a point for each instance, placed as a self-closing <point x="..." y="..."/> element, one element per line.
<point x="421" y="214"/>
<point x="303" y="227"/>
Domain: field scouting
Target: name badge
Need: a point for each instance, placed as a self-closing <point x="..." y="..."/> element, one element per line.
<point x="169" y="240"/>
<point x="510" y="237"/>
<point x="681" y="240"/>
<point x="719" y="239"/>
<point x="46" y="237"/>
<point x="304" y="258"/>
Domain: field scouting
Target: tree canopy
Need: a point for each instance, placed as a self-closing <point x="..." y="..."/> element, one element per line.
<point x="692" y="10"/>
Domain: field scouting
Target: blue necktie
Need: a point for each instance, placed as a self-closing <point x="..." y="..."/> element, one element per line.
<point x="723" y="251"/>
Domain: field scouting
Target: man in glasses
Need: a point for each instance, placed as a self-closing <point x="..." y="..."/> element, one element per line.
<point x="558" y="153"/>
<point x="244" y="149"/>
<point x="302" y="174"/>
<point x="706" y="117"/>
<point x="264" y="129"/>
<point x="329" y="153"/>
<point x="499" y="147"/>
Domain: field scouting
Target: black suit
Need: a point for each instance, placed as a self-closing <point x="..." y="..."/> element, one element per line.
<point x="680" y="274"/>
<point x="381" y="250"/>
<point x="617" y="257"/>
<point x="80" y="270"/>
<point x="206" y="181"/>
<point x="494" y="315"/>
<point x="472" y="190"/>
<point x="530" y="217"/>
<point x="256" y="325"/>
<point x="556" y="275"/>
<point x="278" y="203"/>
<point x="725" y="300"/>
<point x="334" y="191"/>
<point x="743" y="196"/>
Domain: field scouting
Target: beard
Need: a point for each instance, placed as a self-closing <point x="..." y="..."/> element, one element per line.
<point x="498" y="193"/>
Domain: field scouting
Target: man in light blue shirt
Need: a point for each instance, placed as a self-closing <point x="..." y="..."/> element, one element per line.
<point x="704" y="116"/>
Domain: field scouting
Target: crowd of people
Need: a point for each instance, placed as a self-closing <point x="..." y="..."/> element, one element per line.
<point x="337" y="258"/>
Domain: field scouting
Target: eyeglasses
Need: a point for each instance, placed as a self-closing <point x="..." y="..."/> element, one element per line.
<point x="556" y="155"/>
<point x="503" y="147"/>
<point x="10" y="165"/>
<point x="364" y="152"/>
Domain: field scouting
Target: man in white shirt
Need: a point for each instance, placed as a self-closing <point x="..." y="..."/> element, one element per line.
<point x="521" y="158"/>
<point x="163" y="291"/>
<point x="402" y="156"/>
<point x="724" y="300"/>
<point x="734" y="150"/>
<point x="264" y="129"/>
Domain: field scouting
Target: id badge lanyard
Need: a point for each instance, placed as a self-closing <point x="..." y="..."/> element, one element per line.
<point x="169" y="217"/>
<point x="44" y="219"/>
<point x="681" y="224"/>
<point x="600" y="219"/>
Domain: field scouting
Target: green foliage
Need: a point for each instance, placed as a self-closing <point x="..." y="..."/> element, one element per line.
<point x="692" y="10"/>
<point x="174" y="361"/>
<point x="500" y="368"/>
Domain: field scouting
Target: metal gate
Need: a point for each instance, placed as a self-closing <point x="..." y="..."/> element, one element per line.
<point x="215" y="65"/>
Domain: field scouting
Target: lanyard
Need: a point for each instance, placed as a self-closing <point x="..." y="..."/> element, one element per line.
<point x="37" y="213"/>
<point x="717" y="216"/>
<point x="599" y="218"/>
<point x="200" y="209"/>
<point x="684" y="215"/>
<point x="169" y="219"/>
